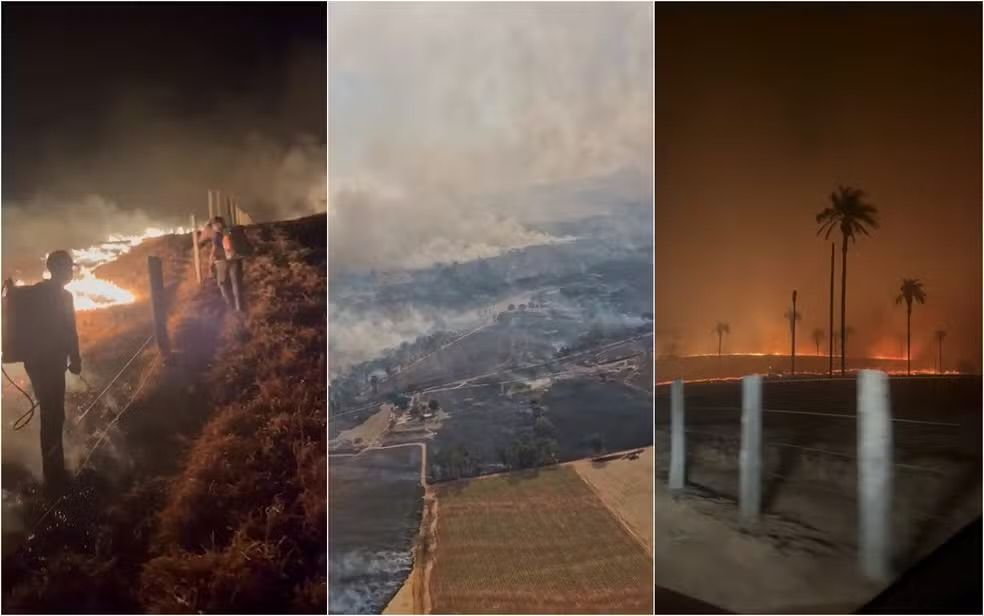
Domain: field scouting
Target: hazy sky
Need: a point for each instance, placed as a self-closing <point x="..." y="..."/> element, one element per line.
<point x="761" y="113"/>
<point x="116" y="116"/>
<point x="434" y="103"/>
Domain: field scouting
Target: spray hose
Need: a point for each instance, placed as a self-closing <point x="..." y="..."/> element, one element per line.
<point x="24" y="419"/>
<point x="28" y="415"/>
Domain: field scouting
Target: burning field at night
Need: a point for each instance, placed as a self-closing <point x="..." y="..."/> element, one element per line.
<point x="222" y="446"/>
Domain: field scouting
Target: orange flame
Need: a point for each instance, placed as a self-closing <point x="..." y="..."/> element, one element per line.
<point x="91" y="292"/>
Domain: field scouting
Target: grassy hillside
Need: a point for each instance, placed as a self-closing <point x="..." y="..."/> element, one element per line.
<point x="220" y="506"/>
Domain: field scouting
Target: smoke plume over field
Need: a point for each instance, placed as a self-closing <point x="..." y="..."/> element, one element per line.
<point x="437" y="108"/>
<point x="221" y="107"/>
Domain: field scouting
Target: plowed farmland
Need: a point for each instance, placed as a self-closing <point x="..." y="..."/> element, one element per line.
<point x="534" y="542"/>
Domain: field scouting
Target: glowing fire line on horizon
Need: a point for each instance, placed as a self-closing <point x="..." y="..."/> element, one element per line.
<point x="91" y="292"/>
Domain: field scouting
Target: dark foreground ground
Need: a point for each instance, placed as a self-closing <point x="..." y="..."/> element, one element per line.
<point x="810" y="451"/>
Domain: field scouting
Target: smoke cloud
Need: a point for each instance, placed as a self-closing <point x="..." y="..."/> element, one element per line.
<point x="136" y="129"/>
<point x="434" y="107"/>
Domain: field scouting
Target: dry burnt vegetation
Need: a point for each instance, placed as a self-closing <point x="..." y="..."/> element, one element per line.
<point x="228" y="514"/>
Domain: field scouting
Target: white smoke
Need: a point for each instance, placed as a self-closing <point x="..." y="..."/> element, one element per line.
<point x="361" y="582"/>
<point x="359" y="335"/>
<point x="434" y="105"/>
<point x="371" y="231"/>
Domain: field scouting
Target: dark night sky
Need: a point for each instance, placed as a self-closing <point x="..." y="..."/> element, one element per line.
<point x="760" y="113"/>
<point x="147" y="105"/>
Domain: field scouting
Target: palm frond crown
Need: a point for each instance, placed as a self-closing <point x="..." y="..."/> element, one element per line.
<point x="849" y="213"/>
<point x="911" y="290"/>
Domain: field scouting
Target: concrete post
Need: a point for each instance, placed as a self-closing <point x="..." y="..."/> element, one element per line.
<point x="194" y="249"/>
<point x="874" y="475"/>
<point x="750" y="458"/>
<point x="157" y="304"/>
<point x="677" y="443"/>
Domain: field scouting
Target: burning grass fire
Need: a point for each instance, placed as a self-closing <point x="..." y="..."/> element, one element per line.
<point x="91" y="292"/>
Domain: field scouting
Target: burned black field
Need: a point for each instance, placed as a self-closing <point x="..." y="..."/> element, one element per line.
<point x="374" y="510"/>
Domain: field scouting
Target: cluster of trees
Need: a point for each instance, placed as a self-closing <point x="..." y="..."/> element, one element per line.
<point x="529" y="451"/>
<point x="454" y="462"/>
<point x="536" y="449"/>
<point x="850" y="215"/>
<point x="599" y="335"/>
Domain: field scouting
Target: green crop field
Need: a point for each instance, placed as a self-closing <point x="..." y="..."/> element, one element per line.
<point x="534" y="542"/>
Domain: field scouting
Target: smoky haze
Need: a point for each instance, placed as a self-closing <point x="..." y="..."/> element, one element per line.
<point x="118" y="118"/>
<point x="443" y="115"/>
<point x="761" y="113"/>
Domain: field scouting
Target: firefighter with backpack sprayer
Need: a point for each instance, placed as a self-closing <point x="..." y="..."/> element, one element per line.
<point x="228" y="250"/>
<point x="39" y="330"/>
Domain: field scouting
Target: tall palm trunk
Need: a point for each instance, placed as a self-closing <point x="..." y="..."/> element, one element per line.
<point x="908" y="337"/>
<point x="830" y="329"/>
<point x="844" y="305"/>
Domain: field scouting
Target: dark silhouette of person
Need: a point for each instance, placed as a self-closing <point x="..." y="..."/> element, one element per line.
<point x="47" y="362"/>
<point x="228" y="267"/>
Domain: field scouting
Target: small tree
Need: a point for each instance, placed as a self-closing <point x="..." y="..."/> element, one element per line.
<point x="543" y="427"/>
<point x="818" y="337"/>
<point x="511" y="307"/>
<point x="721" y="329"/>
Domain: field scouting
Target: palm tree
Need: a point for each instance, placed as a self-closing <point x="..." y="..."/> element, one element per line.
<point x="850" y="214"/>
<point x="721" y="329"/>
<point x="818" y="337"/>
<point x="911" y="289"/>
<point x="940" y="335"/>
<point x="793" y="316"/>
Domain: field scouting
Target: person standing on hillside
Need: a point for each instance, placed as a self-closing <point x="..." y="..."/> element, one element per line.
<point x="56" y="341"/>
<point x="227" y="263"/>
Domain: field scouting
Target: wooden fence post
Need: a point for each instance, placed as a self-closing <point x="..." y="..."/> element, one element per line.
<point x="874" y="475"/>
<point x="677" y="443"/>
<point x="211" y="204"/>
<point x="750" y="458"/>
<point x="157" y="304"/>
<point x="194" y="249"/>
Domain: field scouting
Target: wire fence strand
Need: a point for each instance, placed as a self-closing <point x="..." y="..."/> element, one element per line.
<point x="115" y="378"/>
